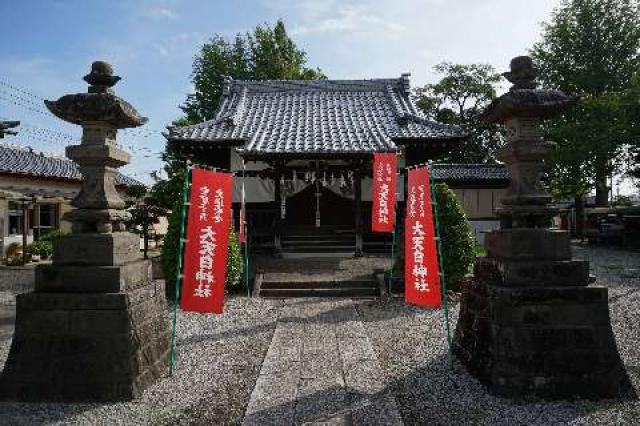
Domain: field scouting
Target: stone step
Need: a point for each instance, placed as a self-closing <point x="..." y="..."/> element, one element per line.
<point x="281" y="284"/>
<point x="317" y="255"/>
<point x="350" y="292"/>
<point x="312" y="248"/>
<point x="319" y="241"/>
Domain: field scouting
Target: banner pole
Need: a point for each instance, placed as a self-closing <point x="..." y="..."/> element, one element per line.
<point x="393" y="244"/>
<point x="443" y="278"/>
<point x="246" y="259"/>
<point x="180" y="254"/>
<point x="245" y="229"/>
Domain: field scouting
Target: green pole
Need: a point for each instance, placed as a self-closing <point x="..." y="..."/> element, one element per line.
<point x="183" y="219"/>
<point x="246" y="256"/>
<point x="393" y="243"/>
<point x="443" y="278"/>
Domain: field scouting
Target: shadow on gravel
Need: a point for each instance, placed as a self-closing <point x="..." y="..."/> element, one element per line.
<point x="333" y="316"/>
<point x="433" y="395"/>
<point x="27" y="414"/>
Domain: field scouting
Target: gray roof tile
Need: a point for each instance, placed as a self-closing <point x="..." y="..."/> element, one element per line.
<point x="320" y="116"/>
<point x="470" y="172"/>
<point x="21" y="161"/>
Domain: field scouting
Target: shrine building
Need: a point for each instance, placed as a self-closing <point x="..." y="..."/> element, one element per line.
<point x="305" y="149"/>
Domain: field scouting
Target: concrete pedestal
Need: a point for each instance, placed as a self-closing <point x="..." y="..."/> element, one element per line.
<point x="530" y="325"/>
<point x="94" y="329"/>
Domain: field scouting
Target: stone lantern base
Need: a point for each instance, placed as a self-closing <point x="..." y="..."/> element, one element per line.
<point x="529" y="324"/>
<point x="94" y="329"/>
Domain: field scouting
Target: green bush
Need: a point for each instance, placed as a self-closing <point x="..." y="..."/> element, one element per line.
<point x="235" y="261"/>
<point x="42" y="248"/>
<point x="170" y="252"/>
<point x="457" y="241"/>
<point x="52" y="235"/>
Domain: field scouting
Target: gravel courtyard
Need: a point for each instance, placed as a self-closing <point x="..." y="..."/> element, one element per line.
<point x="221" y="359"/>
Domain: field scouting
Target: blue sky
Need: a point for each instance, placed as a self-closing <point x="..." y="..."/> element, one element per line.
<point x="48" y="45"/>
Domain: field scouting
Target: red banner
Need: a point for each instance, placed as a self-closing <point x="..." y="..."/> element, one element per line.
<point x="421" y="272"/>
<point x="205" y="252"/>
<point x="384" y="192"/>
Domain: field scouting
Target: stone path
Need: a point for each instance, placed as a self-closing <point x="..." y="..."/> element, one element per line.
<point x="321" y="369"/>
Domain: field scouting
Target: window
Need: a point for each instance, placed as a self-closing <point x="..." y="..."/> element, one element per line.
<point x="16" y="218"/>
<point x="47" y="216"/>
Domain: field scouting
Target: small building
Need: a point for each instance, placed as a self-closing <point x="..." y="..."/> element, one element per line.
<point x="36" y="191"/>
<point x="479" y="188"/>
<point x="304" y="151"/>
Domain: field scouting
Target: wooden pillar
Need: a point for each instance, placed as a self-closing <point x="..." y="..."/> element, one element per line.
<point x="358" y="209"/>
<point x="37" y="231"/>
<point x="277" y="196"/>
<point x="25" y="230"/>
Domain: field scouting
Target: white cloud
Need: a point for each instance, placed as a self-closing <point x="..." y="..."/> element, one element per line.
<point x="346" y="18"/>
<point x="161" y="13"/>
<point x="180" y="43"/>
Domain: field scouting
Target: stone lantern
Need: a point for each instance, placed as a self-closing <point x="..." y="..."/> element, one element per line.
<point x="95" y="328"/>
<point x="530" y="324"/>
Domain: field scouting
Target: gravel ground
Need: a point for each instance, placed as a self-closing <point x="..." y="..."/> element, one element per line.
<point x="411" y="346"/>
<point x="219" y="358"/>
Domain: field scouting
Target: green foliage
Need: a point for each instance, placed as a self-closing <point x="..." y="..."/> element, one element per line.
<point x="266" y="53"/>
<point x="52" y="235"/>
<point x="235" y="261"/>
<point x="479" y="251"/>
<point x="462" y="93"/>
<point x="169" y="253"/>
<point x="457" y="242"/>
<point x="42" y="248"/>
<point x="591" y="48"/>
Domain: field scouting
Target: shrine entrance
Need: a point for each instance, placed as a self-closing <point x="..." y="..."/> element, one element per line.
<point x="317" y="206"/>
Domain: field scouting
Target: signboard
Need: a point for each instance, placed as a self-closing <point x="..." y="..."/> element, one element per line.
<point x="421" y="274"/>
<point x="205" y="252"/>
<point x="384" y="192"/>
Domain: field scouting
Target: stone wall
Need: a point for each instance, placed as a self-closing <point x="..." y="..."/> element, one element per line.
<point x="17" y="279"/>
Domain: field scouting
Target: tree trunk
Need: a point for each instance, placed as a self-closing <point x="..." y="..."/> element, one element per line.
<point x="579" y="206"/>
<point x="602" y="190"/>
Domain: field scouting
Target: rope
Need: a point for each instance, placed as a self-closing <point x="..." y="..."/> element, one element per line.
<point x="183" y="217"/>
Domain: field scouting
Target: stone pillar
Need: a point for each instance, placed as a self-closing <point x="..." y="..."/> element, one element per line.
<point x="358" y="209"/>
<point x="95" y="328"/>
<point x="530" y="324"/>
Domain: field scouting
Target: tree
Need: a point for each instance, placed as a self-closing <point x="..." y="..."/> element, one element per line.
<point x="264" y="53"/>
<point x="462" y="93"/>
<point x="145" y="212"/>
<point x="590" y="48"/>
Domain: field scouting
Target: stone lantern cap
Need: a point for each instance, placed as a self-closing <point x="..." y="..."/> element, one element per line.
<point x="100" y="104"/>
<point x="524" y="99"/>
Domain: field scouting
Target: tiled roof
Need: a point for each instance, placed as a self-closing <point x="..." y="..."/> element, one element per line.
<point x="470" y="172"/>
<point x="316" y="117"/>
<point x="21" y="161"/>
